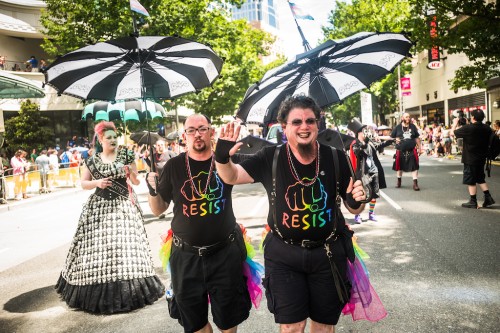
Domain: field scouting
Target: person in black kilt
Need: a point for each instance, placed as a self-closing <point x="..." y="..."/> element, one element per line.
<point x="407" y="158"/>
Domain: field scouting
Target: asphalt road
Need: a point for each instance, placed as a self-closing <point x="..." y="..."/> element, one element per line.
<point x="434" y="264"/>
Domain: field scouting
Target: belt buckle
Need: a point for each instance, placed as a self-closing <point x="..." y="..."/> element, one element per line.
<point x="304" y="244"/>
<point x="176" y="241"/>
<point x="202" y="251"/>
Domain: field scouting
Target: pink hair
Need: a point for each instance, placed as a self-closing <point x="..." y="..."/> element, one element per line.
<point x="102" y="127"/>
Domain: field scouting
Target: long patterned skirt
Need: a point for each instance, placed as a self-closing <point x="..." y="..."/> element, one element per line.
<point x="109" y="267"/>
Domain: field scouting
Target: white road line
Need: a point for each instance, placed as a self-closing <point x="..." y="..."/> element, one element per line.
<point x="389" y="200"/>
<point x="3" y="250"/>
<point x="258" y="207"/>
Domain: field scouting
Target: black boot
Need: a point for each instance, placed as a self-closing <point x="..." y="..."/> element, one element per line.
<point x="415" y="185"/>
<point x="488" y="200"/>
<point x="398" y="184"/>
<point x="472" y="203"/>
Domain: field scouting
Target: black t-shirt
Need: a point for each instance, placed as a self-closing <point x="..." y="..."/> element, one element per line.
<point x="407" y="136"/>
<point x="198" y="220"/>
<point x="302" y="212"/>
<point x="476" y="139"/>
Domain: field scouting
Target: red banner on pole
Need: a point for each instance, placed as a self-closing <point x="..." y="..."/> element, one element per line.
<point x="405" y="86"/>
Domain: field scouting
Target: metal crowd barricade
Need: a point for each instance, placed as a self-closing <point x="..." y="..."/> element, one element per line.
<point x="59" y="178"/>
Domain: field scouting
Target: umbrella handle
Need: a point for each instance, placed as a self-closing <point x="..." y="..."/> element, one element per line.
<point x="367" y="189"/>
<point x="151" y="153"/>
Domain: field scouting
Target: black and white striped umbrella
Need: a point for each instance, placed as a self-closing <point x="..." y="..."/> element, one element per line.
<point x="148" y="67"/>
<point x="329" y="73"/>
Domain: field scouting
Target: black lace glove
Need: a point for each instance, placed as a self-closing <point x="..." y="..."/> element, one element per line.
<point x="152" y="191"/>
<point x="351" y="202"/>
<point x="222" y="151"/>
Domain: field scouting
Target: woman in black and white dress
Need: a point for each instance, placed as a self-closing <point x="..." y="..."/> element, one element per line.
<point x="109" y="267"/>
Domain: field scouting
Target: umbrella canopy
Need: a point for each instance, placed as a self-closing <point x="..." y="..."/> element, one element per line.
<point x="173" y="135"/>
<point x="329" y="73"/>
<point x="335" y="139"/>
<point x="142" y="138"/>
<point x="15" y="86"/>
<point x="124" y="110"/>
<point x="148" y="67"/>
<point x="383" y="127"/>
<point x="252" y="144"/>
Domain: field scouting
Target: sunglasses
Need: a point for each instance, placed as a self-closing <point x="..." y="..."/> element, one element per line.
<point x="308" y="121"/>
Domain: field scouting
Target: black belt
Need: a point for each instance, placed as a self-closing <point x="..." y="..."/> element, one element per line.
<point x="203" y="250"/>
<point x="306" y="243"/>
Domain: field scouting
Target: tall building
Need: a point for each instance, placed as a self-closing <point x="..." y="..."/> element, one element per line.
<point x="431" y="98"/>
<point x="262" y="14"/>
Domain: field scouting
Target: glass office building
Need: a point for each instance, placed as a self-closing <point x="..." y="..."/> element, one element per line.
<point x="262" y="11"/>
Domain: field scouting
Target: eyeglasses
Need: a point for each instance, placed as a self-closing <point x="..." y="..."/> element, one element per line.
<point x="308" y="121"/>
<point x="192" y="131"/>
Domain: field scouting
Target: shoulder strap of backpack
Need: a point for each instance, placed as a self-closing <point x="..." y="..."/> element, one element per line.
<point x="273" y="192"/>
<point x="337" y="175"/>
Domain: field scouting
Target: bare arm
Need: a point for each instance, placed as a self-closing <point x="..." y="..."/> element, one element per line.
<point x="132" y="171"/>
<point x="233" y="174"/>
<point x="454" y="127"/>
<point x="156" y="203"/>
<point x="229" y="172"/>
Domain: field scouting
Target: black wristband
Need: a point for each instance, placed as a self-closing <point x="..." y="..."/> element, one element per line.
<point x="152" y="191"/>
<point x="351" y="202"/>
<point x="222" y="151"/>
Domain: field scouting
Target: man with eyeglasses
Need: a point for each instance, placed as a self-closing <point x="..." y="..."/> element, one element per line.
<point x="207" y="254"/>
<point x="306" y="251"/>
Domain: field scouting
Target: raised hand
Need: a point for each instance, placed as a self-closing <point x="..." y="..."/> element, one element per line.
<point x="230" y="132"/>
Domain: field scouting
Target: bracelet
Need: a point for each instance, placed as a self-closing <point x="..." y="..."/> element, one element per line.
<point x="152" y="191"/>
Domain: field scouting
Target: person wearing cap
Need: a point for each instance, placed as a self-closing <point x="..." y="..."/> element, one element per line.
<point x="363" y="154"/>
<point x="406" y="159"/>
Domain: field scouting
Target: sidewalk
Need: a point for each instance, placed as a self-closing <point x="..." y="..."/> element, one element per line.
<point x="37" y="198"/>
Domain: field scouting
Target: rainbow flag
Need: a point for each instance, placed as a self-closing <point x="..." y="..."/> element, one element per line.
<point x="299" y="13"/>
<point x="136" y="6"/>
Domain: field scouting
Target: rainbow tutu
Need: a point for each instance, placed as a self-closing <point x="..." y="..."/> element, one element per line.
<point x="364" y="302"/>
<point x="252" y="270"/>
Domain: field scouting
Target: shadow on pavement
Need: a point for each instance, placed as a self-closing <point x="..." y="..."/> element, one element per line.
<point x="35" y="300"/>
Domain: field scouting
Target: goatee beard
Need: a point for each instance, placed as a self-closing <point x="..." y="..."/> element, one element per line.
<point x="200" y="149"/>
<point x="306" y="149"/>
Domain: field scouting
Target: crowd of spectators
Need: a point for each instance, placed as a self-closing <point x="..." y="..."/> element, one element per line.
<point x="30" y="65"/>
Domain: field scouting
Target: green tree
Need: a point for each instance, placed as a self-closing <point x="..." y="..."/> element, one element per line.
<point x="71" y="24"/>
<point x="348" y="19"/>
<point x="29" y="129"/>
<point x="471" y="27"/>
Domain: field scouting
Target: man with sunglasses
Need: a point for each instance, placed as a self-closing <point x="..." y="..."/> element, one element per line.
<point x="206" y="260"/>
<point x="306" y="251"/>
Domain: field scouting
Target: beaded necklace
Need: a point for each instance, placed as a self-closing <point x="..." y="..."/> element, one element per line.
<point x="190" y="176"/>
<point x="294" y="171"/>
